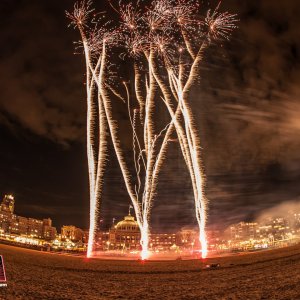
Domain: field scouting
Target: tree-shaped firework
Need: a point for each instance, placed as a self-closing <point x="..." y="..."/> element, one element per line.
<point x="165" y="41"/>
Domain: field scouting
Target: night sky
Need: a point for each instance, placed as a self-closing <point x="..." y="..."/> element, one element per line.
<point x="247" y="108"/>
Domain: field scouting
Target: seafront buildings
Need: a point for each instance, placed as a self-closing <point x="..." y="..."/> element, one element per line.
<point x="268" y="232"/>
<point x="12" y="224"/>
<point x="125" y="235"/>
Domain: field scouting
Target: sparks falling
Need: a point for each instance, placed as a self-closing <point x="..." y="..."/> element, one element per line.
<point x="165" y="42"/>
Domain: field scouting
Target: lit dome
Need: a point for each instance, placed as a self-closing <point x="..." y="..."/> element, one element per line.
<point x="128" y="224"/>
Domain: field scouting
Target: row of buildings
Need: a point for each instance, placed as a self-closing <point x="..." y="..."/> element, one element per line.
<point x="10" y="223"/>
<point x="266" y="233"/>
<point x="14" y="225"/>
<point x="125" y="235"/>
<point x="270" y="228"/>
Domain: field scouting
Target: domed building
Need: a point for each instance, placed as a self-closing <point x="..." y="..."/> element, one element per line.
<point x="125" y="235"/>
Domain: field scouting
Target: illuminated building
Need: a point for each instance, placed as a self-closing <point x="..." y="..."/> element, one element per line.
<point x="7" y="216"/>
<point x="18" y="225"/>
<point x="101" y="240"/>
<point x="49" y="232"/>
<point x="13" y="225"/>
<point x="264" y="231"/>
<point x="278" y="228"/>
<point x="162" y="241"/>
<point x="8" y="204"/>
<point x="5" y="220"/>
<point x="23" y="225"/>
<point x="72" y="233"/>
<point x="243" y="231"/>
<point x="214" y="238"/>
<point x="187" y="238"/>
<point x="35" y="228"/>
<point x="125" y="234"/>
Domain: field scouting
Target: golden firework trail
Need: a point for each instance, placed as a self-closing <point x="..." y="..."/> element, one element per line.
<point x="96" y="159"/>
<point x="165" y="41"/>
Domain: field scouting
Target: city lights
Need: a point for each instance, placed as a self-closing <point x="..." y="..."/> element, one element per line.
<point x="123" y="238"/>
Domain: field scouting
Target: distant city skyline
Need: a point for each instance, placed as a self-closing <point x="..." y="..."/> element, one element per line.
<point x="8" y="205"/>
<point x="124" y="235"/>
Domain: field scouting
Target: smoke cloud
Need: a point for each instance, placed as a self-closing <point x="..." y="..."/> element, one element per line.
<point x="284" y="210"/>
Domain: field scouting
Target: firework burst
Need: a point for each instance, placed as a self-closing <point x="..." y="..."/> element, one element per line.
<point x="165" y="42"/>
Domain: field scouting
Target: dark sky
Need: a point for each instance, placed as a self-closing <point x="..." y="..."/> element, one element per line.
<point x="247" y="108"/>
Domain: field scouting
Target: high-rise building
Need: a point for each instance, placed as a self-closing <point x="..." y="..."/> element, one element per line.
<point x="6" y="213"/>
<point x="35" y="228"/>
<point x="49" y="232"/>
<point x="8" y="204"/>
<point x="18" y="225"/>
<point x="243" y="231"/>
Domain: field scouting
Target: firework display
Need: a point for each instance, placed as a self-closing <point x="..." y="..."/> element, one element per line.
<point x="164" y="42"/>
